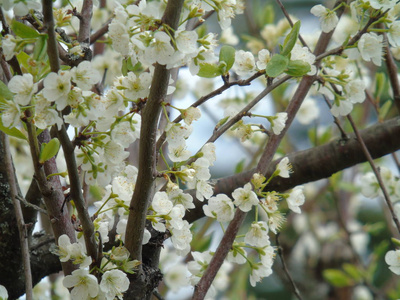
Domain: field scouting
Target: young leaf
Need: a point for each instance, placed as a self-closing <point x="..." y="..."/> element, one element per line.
<point x="209" y="70"/>
<point x="337" y="278"/>
<point x="298" y="68"/>
<point x="24" y="31"/>
<point x="227" y="55"/>
<point x="291" y="39"/>
<point x="385" y="108"/>
<point x="12" y="131"/>
<point x="277" y="65"/>
<point x="5" y="92"/>
<point x="49" y="150"/>
<point x="40" y="48"/>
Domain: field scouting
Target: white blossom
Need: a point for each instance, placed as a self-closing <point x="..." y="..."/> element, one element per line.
<point x="176" y="277"/>
<point x="257" y="235"/>
<point x="219" y="207"/>
<point x="304" y="54"/>
<point x="57" y="87"/>
<point x="295" y="199"/>
<point x="284" y="168"/>
<point x="308" y="111"/>
<point x="190" y="114"/>
<point x="327" y="17"/>
<point x="278" y="122"/>
<point x="244" y="63"/>
<point x="3" y="293"/>
<point x="394" y="34"/>
<point x="161" y="203"/>
<point x="245" y="198"/>
<point x="82" y="283"/>
<point x="370" y="46"/>
<point x="23" y="87"/>
<point x="160" y="50"/>
<point x="258" y="272"/>
<point x="392" y="258"/>
<point x="114" y="283"/>
<point x="355" y="91"/>
<point x="10" y="114"/>
<point x="8" y="43"/>
<point x="264" y="56"/>
<point x="341" y="107"/>
<point x="382" y="4"/>
<point x="85" y="76"/>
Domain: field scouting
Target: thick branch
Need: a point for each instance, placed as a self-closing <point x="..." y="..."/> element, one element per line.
<point x="144" y="189"/>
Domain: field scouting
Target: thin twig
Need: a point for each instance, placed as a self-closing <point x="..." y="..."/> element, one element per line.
<point x="376" y="172"/>
<point x="35" y="207"/>
<point x="336" y="120"/>
<point x="285" y="269"/>
<point x="23" y="234"/>
<point x="285" y="12"/>
<point x="210" y="95"/>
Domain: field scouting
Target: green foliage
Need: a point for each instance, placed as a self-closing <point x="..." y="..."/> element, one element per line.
<point x="49" y="150"/>
<point x="298" y="68"/>
<point x="291" y="39"/>
<point x="14" y="132"/>
<point x="23" y="31"/>
<point x="384" y="110"/>
<point x="277" y="65"/>
<point x="240" y="166"/>
<point x="337" y="278"/>
<point x="227" y="55"/>
<point x="5" y="93"/>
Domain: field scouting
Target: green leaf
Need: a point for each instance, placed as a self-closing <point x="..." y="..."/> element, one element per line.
<point x="15" y="132"/>
<point x="337" y="278"/>
<point x="5" y="92"/>
<point x="298" y="68"/>
<point x="49" y="150"/>
<point x="24" y="31"/>
<point x="384" y="109"/>
<point x="381" y="85"/>
<point x="277" y="65"/>
<point x="264" y="16"/>
<point x="39" y="52"/>
<point x="209" y="70"/>
<point x="353" y="271"/>
<point x="291" y="39"/>
<point x="240" y="166"/>
<point x="396" y="242"/>
<point x="227" y="55"/>
<point x="124" y="67"/>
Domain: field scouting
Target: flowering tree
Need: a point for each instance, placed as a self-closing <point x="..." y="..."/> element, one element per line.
<point x="88" y="95"/>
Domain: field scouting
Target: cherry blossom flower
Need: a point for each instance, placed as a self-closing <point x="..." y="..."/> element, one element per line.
<point x="327" y="17"/>
<point x="190" y="114"/>
<point x="176" y="277"/>
<point x="245" y="198"/>
<point x="284" y="168"/>
<point x="8" y="43"/>
<point x="304" y="54"/>
<point x="219" y="207"/>
<point x="355" y="91"/>
<point x="257" y="235"/>
<point x="308" y="111"/>
<point x="3" y="292"/>
<point x="295" y="199"/>
<point x="392" y="258"/>
<point x="160" y="50"/>
<point x="84" y="75"/>
<point x="264" y="56"/>
<point x="182" y="237"/>
<point x="394" y="34"/>
<point x="382" y="4"/>
<point x="57" y="87"/>
<point x="258" y="272"/>
<point x="23" y="87"/>
<point x="10" y="114"/>
<point x="244" y="63"/>
<point x="278" y="122"/>
<point x="341" y="107"/>
<point x="82" y="283"/>
<point x="178" y="153"/>
<point x="114" y="283"/>
<point x="370" y="46"/>
<point x="161" y="203"/>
